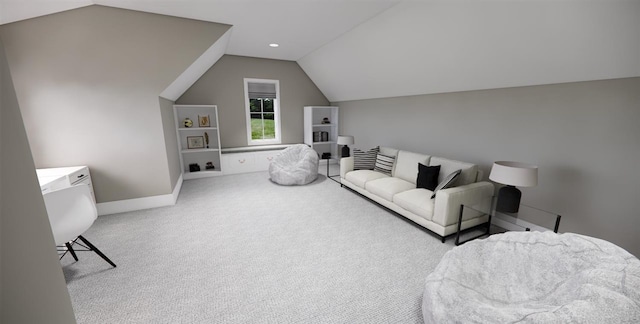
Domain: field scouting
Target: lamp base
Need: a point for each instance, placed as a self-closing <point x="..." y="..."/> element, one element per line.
<point x="508" y="199"/>
<point x="345" y="151"/>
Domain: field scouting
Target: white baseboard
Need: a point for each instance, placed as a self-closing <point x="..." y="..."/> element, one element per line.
<point x="127" y="205"/>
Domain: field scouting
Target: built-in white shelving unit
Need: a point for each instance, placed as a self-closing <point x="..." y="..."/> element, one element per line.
<point x="198" y="145"/>
<point x="315" y="124"/>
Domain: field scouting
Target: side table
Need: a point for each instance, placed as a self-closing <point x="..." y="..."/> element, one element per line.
<point x="526" y="219"/>
<point x="331" y="176"/>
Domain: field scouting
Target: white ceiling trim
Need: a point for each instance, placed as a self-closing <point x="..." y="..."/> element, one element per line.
<point x="198" y="68"/>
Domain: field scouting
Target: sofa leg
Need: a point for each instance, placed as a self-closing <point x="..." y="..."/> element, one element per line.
<point x="442" y="239"/>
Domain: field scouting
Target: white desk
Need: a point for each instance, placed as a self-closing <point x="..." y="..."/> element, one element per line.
<point x="57" y="178"/>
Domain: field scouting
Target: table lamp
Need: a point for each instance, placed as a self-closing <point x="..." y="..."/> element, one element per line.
<point x="512" y="174"/>
<point x="345" y="140"/>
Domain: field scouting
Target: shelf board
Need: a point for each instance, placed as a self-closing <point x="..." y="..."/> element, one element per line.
<point x="324" y="125"/>
<point x="199" y="150"/>
<point x="201" y="174"/>
<point x="196" y="128"/>
<point x="329" y="142"/>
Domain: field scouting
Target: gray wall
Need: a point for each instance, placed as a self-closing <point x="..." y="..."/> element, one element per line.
<point x="32" y="287"/>
<point x="170" y="139"/>
<point x="583" y="136"/>
<point x="88" y="82"/>
<point x="223" y="85"/>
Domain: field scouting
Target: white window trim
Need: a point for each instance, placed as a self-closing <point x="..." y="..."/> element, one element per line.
<point x="276" y="110"/>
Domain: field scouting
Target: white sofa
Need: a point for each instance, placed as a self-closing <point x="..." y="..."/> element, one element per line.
<point x="398" y="192"/>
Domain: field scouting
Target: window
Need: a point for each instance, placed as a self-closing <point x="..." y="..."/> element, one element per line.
<point x="263" y="111"/>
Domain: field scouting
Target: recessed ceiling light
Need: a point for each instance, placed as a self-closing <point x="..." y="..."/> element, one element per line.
<point x="274" y="45"/>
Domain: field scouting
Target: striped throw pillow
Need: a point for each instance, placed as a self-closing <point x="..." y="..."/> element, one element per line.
<point x="365" y="160"/>
<point x="384" y="164"/>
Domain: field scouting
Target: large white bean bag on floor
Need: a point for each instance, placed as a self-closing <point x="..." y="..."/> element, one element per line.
<point x="295" y="165"/>
<point x="534" y="277"/>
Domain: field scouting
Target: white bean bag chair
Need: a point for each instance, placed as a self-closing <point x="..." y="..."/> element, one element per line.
<point x="295" y="165"/>
<point x="534" y="277"/>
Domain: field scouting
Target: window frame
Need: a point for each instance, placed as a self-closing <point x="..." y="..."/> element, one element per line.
<point x="276" y="112"/>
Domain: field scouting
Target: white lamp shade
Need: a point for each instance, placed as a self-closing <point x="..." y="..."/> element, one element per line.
<point x="514" y="173"/>
<point x="345" y="140"/>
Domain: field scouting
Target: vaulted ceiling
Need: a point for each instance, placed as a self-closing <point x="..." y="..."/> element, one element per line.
<point x="360" y="49"/>
<point x="299" y="26"/>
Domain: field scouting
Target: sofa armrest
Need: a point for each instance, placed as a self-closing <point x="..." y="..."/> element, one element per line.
<point x="446" y="209"/>
<point x="346" y="165"/>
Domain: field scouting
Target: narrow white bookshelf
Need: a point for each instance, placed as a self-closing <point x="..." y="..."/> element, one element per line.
<point x="198" y="144"/>
<point x="321" y="129"/>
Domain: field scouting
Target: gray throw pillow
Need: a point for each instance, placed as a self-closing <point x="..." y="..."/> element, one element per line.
<point x="446" y="182"/>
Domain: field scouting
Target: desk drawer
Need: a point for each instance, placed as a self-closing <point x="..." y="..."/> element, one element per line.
<point x="78" y="176"/>
<point x="87" y="181"/>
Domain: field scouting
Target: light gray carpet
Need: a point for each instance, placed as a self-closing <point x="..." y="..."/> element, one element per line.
<point x="241" y="249"/>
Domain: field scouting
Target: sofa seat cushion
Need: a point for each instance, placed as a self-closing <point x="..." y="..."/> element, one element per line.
<point x="388" y="187"/>
<point x="361" y="177"/>
<point x="417" y="201"/>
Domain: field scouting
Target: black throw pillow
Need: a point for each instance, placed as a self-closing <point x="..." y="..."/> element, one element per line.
<point x="427" y="176"/>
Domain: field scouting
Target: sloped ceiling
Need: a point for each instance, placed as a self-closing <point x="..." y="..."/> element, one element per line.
<point x="15" y="10"/>
<point x="357" y="49"/>
<point x="446" y="46"/>
<point x="299" y="26"/>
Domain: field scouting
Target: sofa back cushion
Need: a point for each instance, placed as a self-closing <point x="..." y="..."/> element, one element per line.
<point x="468" y="174"/>
<point x="388" y="151"/>
<point x="407" y="165"/>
